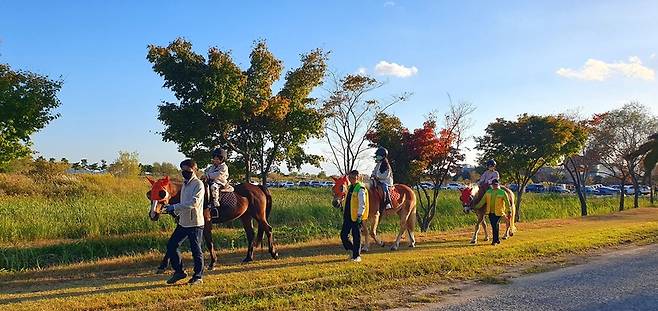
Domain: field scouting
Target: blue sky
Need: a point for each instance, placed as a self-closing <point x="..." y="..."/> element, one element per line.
<point x="505" y="57"/>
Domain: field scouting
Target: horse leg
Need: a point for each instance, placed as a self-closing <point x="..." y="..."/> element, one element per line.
<point x="263" y="225"/>
<point x="249" y="231"/>
<point x="403" y="227"/>
<point x="411" y="224"/>
<point x="164" y="264"/>
<point x="484" y="227"/>
<point x="507" y="228"/>
<point x="207" y="237"/>
<point x="474" y="239"/>
<point x="365" y="233"/>
<point x="373" y="232"/>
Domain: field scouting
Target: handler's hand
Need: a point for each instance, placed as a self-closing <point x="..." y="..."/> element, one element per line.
<point x="169" y="209"/>
<point x="359" y="221"/>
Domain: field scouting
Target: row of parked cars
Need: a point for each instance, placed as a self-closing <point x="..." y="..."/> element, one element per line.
<point x="290" y="184"/>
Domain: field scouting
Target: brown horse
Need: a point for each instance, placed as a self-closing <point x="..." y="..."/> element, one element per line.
<point x="404" y="207"/>
<point x="252" y="202"/>
<point x="471" y="196"/>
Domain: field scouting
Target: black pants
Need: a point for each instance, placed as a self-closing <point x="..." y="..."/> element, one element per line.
<point x="193" y="234"/>
<point x="349" y="225"/>
<point x="495" y="226"/>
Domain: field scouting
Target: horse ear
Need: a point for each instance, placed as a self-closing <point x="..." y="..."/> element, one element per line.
<point x="150" y="180"/>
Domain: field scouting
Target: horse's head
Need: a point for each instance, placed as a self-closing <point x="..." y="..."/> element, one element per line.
<point x="159" y="195"/>
<point x="467" y="196"/>
<point x="339" y="191"/>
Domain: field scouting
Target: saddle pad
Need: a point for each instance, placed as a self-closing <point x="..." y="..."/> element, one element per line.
<point x="395" y="195"/>
<point x="227" y="201"/>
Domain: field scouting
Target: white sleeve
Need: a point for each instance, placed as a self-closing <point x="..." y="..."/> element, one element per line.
<point x="362" y="202"/>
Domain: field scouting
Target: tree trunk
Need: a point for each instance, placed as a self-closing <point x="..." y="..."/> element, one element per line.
<point x="519" y="193"/>
<point x="622" y="195"/>
<point x="247" y="173"/>
<point x="583" y="201"/>
<point x="650" y="182"/>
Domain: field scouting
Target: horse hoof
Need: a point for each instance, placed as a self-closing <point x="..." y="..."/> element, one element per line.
<point x="382" y="244"/>
<point x="211" y="267"/>
<point x="511" y="234"/>
<point x="412" y="245"/>
<point x="486" y="239"/>
<point x="160" y="271"/>
<point x="364" y="249"/>
<point x="246" y="260"/>
<point x="394" y="248"/>
<point x="474" y="242"/>
<point x="504" y="238"/>
<point x="275" y="255"/>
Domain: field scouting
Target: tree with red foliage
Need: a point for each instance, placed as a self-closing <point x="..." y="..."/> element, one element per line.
<point x="427" y="153"/>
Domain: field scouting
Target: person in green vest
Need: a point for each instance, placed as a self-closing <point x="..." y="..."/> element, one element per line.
<point x="355" y="212"/>
<point x="497" y="202"/>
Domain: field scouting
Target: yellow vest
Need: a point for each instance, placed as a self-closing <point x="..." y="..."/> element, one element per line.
<point x="496" y="201"/>
<point x="354" y="201"/>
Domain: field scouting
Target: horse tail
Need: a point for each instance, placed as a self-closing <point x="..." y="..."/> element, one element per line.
<point x="268" y="198"/>
<point x="268" y="209"/>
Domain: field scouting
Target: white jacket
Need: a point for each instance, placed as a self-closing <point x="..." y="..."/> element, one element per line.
<point x="385" y="177"/>
<point x="488" y="176"/>
<point x="218" y="173"/>
<point x="190" y="208"/>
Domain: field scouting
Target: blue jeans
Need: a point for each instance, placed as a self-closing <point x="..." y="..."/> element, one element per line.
<point x="179" y="235"/>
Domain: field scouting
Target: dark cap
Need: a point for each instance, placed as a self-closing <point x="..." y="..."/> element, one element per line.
<point x="354" y="173"/>
<point x="495" y="182"/>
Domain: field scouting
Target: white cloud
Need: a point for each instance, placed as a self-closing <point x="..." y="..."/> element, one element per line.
<point x="653" y="56"/>
<point x="385" y="68"/>
<point x="597" y="70"/>
<point x="389" y="3"/>
<point x="362" y="70"/>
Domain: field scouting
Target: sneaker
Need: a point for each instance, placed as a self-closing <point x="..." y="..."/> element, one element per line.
<point x="177" y="276"/>
<point x="195" y="281"/>
<point x="357" y="259"/>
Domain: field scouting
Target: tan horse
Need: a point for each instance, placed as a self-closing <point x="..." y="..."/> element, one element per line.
<point x="404" y="207"/>
<point x="472" y="195"/>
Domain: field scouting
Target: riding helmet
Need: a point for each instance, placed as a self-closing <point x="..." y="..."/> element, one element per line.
<point x="491" y="162"/>
<point x="220" y="153"/>
<point x="381" y="151"/>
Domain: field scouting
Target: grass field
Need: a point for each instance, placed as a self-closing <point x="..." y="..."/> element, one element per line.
<point x="315" y="274"/>
<point x="91" y="217"/>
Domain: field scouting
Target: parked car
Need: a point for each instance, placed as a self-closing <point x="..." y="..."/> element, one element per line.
<point x="426" y="185"/>
<point x="513" y="187"/>
<point x="328" y="184"/>
<point x="589" y="190"/>
<point x="538" y="188"/>
<point x="287" y="184"/>
<point x="644" y="190"/>
<point x="315" y="183"/>
<point x="304" y="183"/>
<point x="604" y="190"/>
<point x="558" y="189"/>
<point x="454" y="186"/>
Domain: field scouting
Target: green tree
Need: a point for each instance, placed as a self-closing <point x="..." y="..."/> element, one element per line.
<point x="219" y="104"/>
<point x="524" y="146"/>
<point x="27" y="101"/>
<point x="164" y="169"/>
<point x="126" y="165"/>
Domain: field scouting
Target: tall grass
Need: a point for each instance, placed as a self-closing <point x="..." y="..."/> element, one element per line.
<point x="75" y="218"/>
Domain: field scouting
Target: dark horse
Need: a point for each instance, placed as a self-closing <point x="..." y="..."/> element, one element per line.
<point x="252" y="202"/>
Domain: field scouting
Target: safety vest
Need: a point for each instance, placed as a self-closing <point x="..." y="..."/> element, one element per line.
<point x="354" y="201"/>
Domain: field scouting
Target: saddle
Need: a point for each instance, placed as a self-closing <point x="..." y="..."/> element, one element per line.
<point x="393" y="193"/>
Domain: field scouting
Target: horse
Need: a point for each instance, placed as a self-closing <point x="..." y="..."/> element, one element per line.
<point x="252" y="202"/>
<point x="404" y="207"/>
<point x="471" y="196"/>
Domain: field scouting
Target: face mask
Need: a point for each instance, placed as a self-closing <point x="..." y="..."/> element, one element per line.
<point x="187" y="175"/>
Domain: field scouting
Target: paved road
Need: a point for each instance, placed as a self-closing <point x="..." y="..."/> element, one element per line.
<point x="624" y="280"/>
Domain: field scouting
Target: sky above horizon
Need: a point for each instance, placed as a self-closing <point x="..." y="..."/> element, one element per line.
<point x="504" y="57"/>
